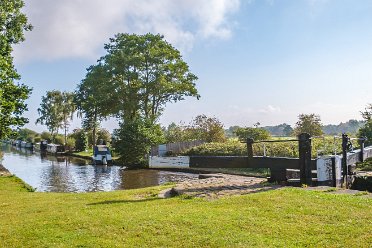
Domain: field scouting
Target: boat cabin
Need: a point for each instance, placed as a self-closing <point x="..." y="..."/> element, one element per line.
<point x="102" y="154"/>
<point x="55" y="149"/>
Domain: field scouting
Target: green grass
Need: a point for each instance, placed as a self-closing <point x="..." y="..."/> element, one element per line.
<point x="88" y="153"/>
<point x="136" y="218"/>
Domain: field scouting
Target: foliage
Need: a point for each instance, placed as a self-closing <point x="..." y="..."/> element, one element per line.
<point x="205" y="128"/>
<point x="367" y="113"/>
<point x="174" y="133"/>
<point x="244" y="133"/>
<point x="134" y="81"/>
<point x="50" y="111"/>
<point x="68" y="109"/>
<point x="92" y="99"/>
<point x="366" y="130"/>
<point x="230" y="132"/>
<point x="12" y="96"/>
<point x="325" y="146"/>
<point x="135" y="218"/>
<point x="56" y="110"/>
<point x="101" y="134"/>
<point x="104" y="134"/>
<point x="59" y="139"/>
<point x="46" y="136"/>
<point x="308" y="123"/>
<point x="232" y="147"/>
<point x="280" y="130"/>
<point x="133" y="141"/>
<point x="27" y="135"/>
<point x="366" y="165"/>
<point x="147" y="73"/>
<point x="81" y="139"/>
<point x="350" y="127"/>
<point x="202" y="127"/>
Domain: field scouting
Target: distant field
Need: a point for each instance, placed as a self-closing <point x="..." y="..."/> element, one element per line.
<point x="279" y="218"/>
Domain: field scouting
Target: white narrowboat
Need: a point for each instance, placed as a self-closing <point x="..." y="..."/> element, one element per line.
<point x="55" y="149"/>
<point x="102" y="155"/>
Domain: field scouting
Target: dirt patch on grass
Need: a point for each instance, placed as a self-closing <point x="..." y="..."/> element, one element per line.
<point x="4" y="172"/>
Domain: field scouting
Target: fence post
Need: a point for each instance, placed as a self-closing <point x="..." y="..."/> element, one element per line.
<point x="361" y="155"/>
<point x="304" y="145"/>
<point x="345" y="140"/>
<point x="250" y="147"/>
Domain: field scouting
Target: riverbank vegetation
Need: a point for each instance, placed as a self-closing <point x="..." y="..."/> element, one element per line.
<point x="286" y="218"/>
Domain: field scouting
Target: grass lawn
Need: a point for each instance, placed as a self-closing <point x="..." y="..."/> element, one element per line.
<point x="88" y="153"/>
<point x="280" y="218"/>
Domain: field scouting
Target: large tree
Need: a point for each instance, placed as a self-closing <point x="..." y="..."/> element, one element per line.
<point x="145" y="73"/>
<point x="134" y="81"/>
<point x="12" y="95"/>
<point x="308" y="123"/>
<point x="92" y="98"/>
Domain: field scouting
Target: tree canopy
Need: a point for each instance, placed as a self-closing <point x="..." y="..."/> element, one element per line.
<point x="133" y="81"/>
<point x="12" y="96"/>
<point x="56" y="110"/>
<point x="308" y="123"/>
<point x="145" y="73"/>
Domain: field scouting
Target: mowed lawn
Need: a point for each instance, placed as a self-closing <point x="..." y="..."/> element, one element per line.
<point x="136" y="218"/>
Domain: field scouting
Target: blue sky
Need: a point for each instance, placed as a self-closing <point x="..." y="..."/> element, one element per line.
<point x="257" y="61"/>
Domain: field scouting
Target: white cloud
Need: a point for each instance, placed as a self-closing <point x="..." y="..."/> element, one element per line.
<point x="269" y="109"/>
<point x="79" y="28"/>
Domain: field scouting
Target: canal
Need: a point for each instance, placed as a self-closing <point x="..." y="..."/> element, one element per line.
<point x="49" y="173"/>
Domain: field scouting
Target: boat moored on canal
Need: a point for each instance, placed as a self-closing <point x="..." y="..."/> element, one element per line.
<point x="55" y="149"/>
<point x="102" y="155"/>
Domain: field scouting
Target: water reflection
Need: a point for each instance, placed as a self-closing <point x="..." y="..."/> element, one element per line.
<point x="69" y="174"/>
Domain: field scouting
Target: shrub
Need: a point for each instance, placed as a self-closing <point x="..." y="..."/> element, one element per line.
<point x="244" y="133"/>
<point x="133" y="141"/>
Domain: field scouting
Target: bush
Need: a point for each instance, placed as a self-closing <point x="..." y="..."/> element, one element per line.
<point x="81" y="140"/>
<point x="244" y="133"/>
<point x="233" y="147"/>
<point x="133" y="141"/>
<point x="366" y="165"/>
<point x="366" y="131"/>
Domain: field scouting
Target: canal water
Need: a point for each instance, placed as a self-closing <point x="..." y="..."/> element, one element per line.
<point x="49" y="173"/>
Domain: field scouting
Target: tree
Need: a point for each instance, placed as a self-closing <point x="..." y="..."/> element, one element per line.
<point x="308" y="123"/>
<point x="174" y="133"/>
<point x="366" y="130"/>
<point x="244" y="133"/>
<point x="68" y="109"/>
<point x="27" y="134"/>
<point x="205" y="128"/>
<point x="81" y="139"/>
<point x="145" y="73"/>
<point x="12" y="96"/>
<point x="92" y="98"/>
<point x="142" y="74"/>
<point x="133" y="140"/>
<point x="56" y="110"/>
<point x="50" y="112"/>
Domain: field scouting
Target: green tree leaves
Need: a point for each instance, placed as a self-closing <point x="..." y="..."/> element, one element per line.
<point x="12" y="96"/>
<point x="56" y="110"/>
<point x="308" y="123"/>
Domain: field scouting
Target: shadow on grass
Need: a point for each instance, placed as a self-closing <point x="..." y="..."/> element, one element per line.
<point x="123" y="201"/>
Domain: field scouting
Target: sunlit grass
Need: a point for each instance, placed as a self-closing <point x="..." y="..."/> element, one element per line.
<point x="280" y="218"/>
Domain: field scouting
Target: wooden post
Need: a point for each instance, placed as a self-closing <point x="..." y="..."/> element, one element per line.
<point x="345" y="140"/>
<point x="304" y="146"/>
<point x="250" y="147"/>
<point x="361" y="155"/>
